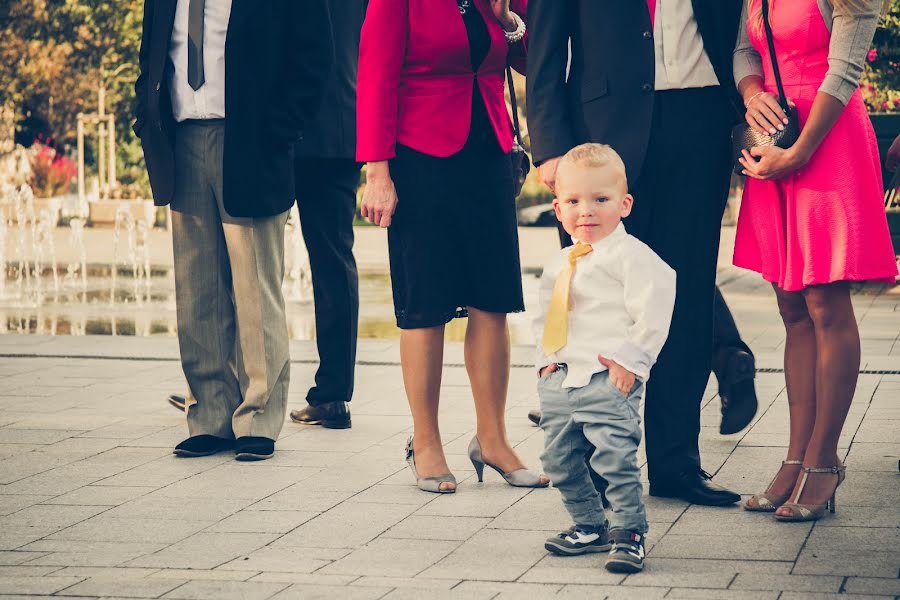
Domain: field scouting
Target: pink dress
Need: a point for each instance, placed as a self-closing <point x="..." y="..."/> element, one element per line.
<point x="825" y="222"/>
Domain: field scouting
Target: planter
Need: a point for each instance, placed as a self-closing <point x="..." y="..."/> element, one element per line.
<point x="8" y="209"/>
<point x="887" y="128"/>
<point x="103" y="212"/>
<point x="893" y="219"/>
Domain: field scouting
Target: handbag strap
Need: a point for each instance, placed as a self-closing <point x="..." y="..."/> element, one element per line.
<point x="515" y="107"/>
<point x="782" y="99"/>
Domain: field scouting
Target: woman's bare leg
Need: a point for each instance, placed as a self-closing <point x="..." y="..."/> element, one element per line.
<point x="487" y="362"/>
<point x="799" y="375"/>
<point x="837" y="369"/>
<point x="422" y="358"/>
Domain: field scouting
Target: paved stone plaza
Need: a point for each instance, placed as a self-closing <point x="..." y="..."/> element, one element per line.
<point x="93" y="503"/>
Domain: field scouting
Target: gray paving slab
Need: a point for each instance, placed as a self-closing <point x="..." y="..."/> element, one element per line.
<point x="225" y="590"/>
<point x="139" y="588"/>
<point x="394" y="558"/>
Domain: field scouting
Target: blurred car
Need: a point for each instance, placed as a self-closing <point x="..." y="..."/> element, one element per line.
<point x="540" y="215"/>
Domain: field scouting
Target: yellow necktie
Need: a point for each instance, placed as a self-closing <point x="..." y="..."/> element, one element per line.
<point x="556" y="324"/>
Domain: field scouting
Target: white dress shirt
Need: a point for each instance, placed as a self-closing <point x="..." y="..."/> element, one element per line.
<point x="208" y="102"/>
<point x="681" y="59"/>
<point x="622" y="296"/>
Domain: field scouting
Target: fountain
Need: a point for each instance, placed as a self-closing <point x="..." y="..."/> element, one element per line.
<point x="124" y="220"/>
<point x="24" y="209"/>
<point x="77" y="270"/>
<point x="43" y="239"/>
<point x="3" y="230"/>
<point x="298" y="271"/>
<point x="141" y="262"/>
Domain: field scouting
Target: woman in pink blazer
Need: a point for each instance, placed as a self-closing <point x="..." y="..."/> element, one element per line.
<point x="434" y="130"/>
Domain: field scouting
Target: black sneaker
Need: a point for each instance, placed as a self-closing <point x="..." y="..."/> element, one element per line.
<point x="627" y="554"/>
<point x="577" y="541"/>
<point x="535" y="416"/>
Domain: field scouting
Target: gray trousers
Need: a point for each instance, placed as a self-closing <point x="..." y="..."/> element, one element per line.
<point x="597" y="418"/>
<point x="232" y="330"/>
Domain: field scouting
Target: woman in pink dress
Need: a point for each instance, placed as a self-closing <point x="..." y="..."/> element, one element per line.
<point x="811" y="222"/>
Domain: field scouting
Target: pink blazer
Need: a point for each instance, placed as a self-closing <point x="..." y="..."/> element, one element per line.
<point x="416" y="81"/>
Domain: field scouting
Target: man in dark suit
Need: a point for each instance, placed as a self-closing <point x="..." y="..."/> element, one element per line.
<point x="229" y="179"/>
<point x="653" y="79"/>
<point x="327" y="176"/>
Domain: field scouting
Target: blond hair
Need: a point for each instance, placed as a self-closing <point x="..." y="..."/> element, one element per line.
<point x="855" y="7"/>
<point x="594" y="156"/>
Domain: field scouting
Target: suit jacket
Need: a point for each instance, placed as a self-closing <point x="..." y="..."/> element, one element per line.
<point x="332" y="132"/>
<point x="608" y="96"/>
<point x="278" y="54"/>
<point x="416" y="79"/>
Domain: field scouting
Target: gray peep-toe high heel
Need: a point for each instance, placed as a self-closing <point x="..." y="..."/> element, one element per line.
<point x="519" y="478"/>
<point x="428" y="484"/>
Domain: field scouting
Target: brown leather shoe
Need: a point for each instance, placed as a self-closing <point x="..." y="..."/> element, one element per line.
<point x="331" y="415"/>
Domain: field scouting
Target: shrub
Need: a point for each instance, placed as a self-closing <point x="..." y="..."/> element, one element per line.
<point x="880" y="83"/>
<point x="52" y="172"/>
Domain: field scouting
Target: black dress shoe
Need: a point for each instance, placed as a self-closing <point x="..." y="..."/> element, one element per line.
<point x="331" y="415"/>
<point x="535" y="416"/>
<point x="177" y="401"/>
<point x="737" y="392"/>
<point x="202" y="445"/>
<point x="254" y="448"/>
<point x="695" y="487"/>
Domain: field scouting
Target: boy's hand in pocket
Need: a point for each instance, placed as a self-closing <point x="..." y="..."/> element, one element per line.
<point x="547" y="370"/>
<point x="620" y="377"/>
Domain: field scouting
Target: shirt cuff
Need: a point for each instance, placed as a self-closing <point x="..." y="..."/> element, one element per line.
<point x="634" y="359"/>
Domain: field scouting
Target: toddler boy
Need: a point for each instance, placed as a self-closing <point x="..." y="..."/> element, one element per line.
<point x="606" y="305"/>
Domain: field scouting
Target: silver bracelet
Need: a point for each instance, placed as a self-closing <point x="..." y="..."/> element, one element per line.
<point x="514" y="37"/>
<point x="747" y="103"/>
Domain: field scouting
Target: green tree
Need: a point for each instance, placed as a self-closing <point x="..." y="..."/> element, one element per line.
<point x="57" y="55"/>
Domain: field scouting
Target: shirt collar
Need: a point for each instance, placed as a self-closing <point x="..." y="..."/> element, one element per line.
<point x="613" y="238"/>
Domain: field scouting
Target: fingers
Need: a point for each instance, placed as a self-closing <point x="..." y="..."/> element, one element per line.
<point x="778" y="117"/>
<point x="552" y="367"/>
<point x="765" y="115"/>
<point x="750" y="165"/>
<point x="604" y="361"/>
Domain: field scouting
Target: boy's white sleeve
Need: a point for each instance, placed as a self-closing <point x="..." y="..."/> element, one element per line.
<point x="649" y="300"/>
<point x="545" y="292"/>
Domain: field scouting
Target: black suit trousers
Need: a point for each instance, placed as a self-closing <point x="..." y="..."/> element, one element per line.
<point x="326" y="199"/>
<point x="679" y="200"/>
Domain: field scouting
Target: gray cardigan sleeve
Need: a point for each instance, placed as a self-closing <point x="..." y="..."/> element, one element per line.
<point x="746" y="59"/>
<point x="851" y="38"/>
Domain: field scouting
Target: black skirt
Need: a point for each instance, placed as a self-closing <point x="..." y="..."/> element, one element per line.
<point x="453" y="241"/>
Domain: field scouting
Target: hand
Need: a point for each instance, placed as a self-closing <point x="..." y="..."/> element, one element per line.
<point x="765" y="115"/>
<point x="380" y="197"/>
<point x="502" y="13"/>
<point x="620" y="377"/>
<point x="893" y="155"/>
<point x="547" y="370"/>
<point x="773" y="163"/>
<point x="547" y="172"/>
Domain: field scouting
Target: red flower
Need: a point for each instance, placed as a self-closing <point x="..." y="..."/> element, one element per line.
<point x="872" y="55"/>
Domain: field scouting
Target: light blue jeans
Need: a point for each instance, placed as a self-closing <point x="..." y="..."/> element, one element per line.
<point x="599" y="419"/>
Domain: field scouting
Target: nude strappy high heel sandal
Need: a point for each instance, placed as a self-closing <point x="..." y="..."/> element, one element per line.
<point x="767" y="502"/>
<point x="806" y="512"/>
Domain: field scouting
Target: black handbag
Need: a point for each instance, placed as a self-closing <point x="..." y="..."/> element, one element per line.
<point x="521" y="164"/>
<point x="744" y="137"/>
